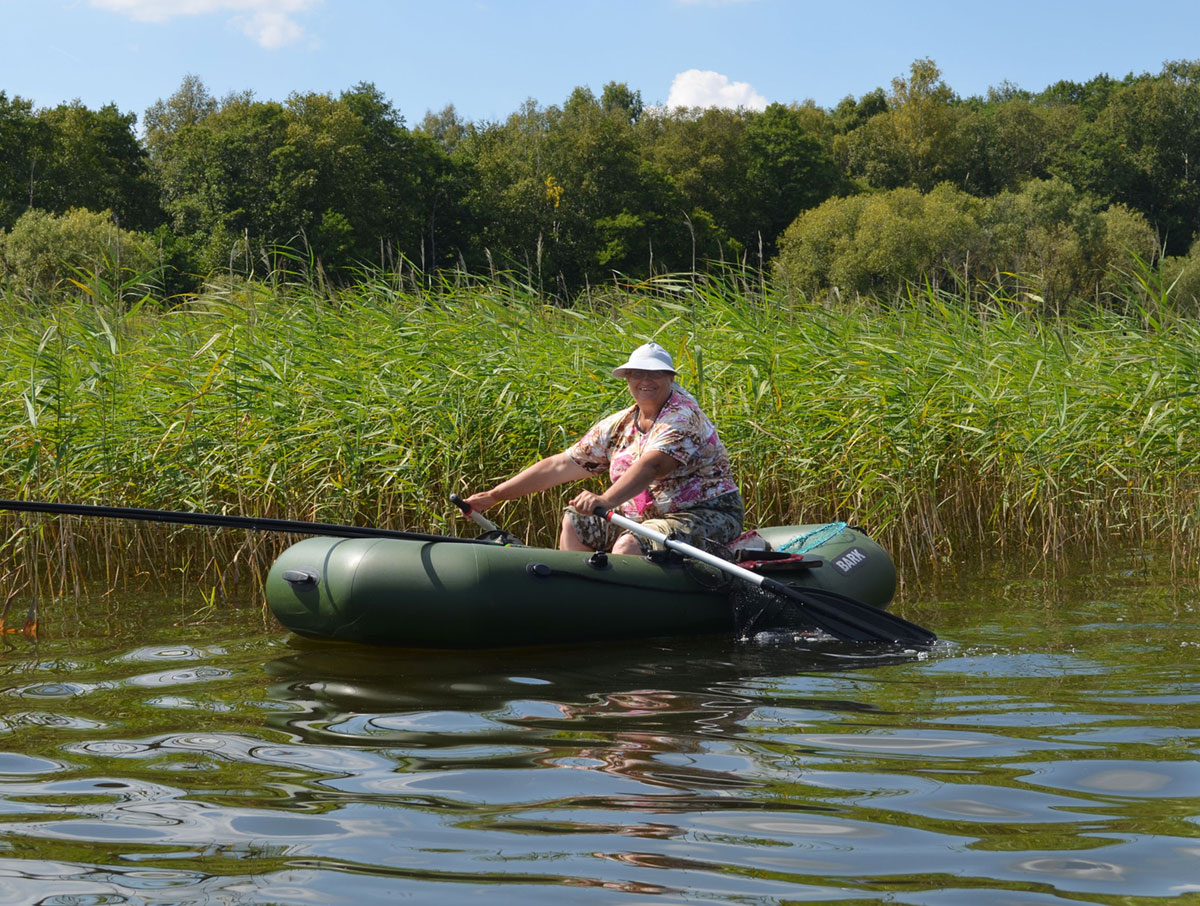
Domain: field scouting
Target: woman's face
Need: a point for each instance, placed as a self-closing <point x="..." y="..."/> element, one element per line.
<point x="650" y="388"/>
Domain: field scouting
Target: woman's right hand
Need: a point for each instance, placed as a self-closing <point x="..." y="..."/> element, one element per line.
<point x="481" y="501"/>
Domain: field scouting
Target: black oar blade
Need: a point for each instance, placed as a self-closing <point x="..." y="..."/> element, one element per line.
<point x="851" y="620"/>
<point x="840" y="616"/>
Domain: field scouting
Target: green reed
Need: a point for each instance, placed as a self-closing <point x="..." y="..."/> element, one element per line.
<point x="940" y="423"/>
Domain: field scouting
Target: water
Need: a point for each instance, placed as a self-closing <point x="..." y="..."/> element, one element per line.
<point x="1044" y="752"/>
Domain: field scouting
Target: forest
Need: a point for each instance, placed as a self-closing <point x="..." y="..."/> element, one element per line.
<point x="1078" y="191"/>
<point x="967" y="323"/>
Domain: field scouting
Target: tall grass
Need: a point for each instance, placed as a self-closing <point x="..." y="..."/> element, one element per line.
<point x="940" y="423"/>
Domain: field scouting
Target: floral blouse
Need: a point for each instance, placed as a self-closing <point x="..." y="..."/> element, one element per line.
<point x="681" y="431"/>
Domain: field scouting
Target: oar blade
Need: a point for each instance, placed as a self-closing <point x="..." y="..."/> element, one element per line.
<point x="843" y="617"/>
<point x="849" y="619"/>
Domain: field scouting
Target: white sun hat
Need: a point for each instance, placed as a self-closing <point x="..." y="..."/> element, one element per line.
<point x="649" y="357"/>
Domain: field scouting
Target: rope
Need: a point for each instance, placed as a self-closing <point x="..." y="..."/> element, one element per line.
<point x="802" y="544"/>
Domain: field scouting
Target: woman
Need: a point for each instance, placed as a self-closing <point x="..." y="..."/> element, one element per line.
<point x="668" y="469"/>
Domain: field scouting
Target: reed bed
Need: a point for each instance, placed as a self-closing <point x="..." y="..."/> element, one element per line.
<point x="942" y="424"/>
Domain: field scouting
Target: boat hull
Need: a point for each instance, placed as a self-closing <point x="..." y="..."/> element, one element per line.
<point x="423" y="594"/>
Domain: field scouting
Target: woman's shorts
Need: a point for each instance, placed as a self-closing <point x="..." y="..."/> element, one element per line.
<point x="719" y="520"/>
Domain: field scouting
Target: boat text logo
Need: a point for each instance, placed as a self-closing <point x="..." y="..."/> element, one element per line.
<point x="849" y="560"/>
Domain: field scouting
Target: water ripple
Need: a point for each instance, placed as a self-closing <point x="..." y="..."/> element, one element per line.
<point x="1156" y="780"/>
<point x="193" y="768"/>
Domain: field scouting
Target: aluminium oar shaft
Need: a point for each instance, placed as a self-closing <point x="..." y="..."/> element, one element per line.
<point x="841" y="616"/>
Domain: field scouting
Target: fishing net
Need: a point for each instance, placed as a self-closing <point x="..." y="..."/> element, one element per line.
<point x="757" y="612"/>
<point x="754" y="611"/>
<point x="706" y="575"/>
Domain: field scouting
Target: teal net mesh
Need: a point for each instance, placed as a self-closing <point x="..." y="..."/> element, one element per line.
<point x="802" y="544"/>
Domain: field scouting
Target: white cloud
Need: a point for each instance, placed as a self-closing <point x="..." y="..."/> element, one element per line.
<point x="270" y="27"/>
<point x="272" y="23"/>
<point x="704" y="88"/>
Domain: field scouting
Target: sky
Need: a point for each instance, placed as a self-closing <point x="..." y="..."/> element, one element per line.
<point x="487" y="57"/>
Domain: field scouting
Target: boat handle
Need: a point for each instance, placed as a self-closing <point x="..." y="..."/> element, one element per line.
<point x="301" y="578"/>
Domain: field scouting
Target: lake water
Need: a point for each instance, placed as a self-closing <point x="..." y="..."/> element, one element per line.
<point x="1045" y="751"/>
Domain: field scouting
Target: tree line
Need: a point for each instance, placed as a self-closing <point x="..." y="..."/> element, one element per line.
<point x="1069" y="185"/>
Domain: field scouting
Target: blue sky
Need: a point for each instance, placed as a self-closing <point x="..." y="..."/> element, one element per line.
<point x="488" y="56"/>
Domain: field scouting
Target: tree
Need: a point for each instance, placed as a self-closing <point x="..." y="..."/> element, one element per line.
<point x="25" y="142"/>
<point x="788" y="170"/>
<point x="1008" y="143"/>
<point x="445" y="127"/>
<point x="850" y="113"/>
<point x="508" y="196"/>
<point x="1053" y="240"/>
<point x="217" y="175"/>
<point x="96" y="162"/>
<point x="704" y="157"/>
<point x="874" y="243"/>
<point x="449" y="184"/>
<point x="1182" y="274"/>
<point x="45" y="250"/>
<point x="340" y="176"/>
<point x="617" y="99"/>
<point x="1089" y="98"/>
<point x="913" y="142"/>
<point x="188" y="106"/>
<point x="616" y="212"/>
<point x="1143" y="150"/>
<point x="565" y="193"/>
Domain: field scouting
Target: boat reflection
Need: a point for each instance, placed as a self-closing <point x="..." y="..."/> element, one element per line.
<point x="644" y="711"/>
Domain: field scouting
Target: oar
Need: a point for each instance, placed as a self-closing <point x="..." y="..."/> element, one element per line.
<point x="842" y="617"/>
<point x="478" y="518"/>
<point x="222" y="520"/>
<point x="492" y="532"/>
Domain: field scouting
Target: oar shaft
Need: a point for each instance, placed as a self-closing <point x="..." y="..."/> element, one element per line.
<point x="220" y="520"/>
<point x="845" y="618"/>
<point x="671" y="543"/>
<point x="475" y="516"/>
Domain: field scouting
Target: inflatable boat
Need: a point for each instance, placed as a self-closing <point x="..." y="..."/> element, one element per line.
<point x="475" y="593"/>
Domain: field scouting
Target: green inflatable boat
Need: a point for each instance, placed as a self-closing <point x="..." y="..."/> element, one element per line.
<point x="460" y="593"/>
